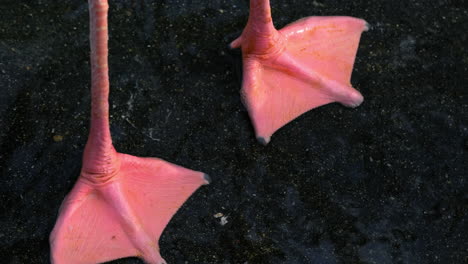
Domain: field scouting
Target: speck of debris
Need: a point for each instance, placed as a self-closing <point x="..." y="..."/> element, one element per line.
<point x="224" y="220"/>
<point x="58" y="138"/>
<point x="218" y="215"/>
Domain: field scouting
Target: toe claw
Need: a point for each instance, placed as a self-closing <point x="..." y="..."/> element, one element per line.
<point x="207" y="178"/>
<point x="263" y="141"/>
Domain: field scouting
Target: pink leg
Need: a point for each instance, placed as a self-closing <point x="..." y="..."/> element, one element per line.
<point x="303" y="66"/>
<point x="120" y="204"/>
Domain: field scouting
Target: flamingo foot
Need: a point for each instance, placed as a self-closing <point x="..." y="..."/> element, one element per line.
<point x="305" y="65"/>
<point x="120" y="204"/>
<point x="124" y="213"/>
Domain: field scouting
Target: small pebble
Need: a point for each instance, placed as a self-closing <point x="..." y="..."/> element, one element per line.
<point x="224" y="220"/>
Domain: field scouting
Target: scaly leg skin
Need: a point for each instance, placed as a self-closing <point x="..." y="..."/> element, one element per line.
<point x="288" y="72"/>
<point x="120" y="204"/>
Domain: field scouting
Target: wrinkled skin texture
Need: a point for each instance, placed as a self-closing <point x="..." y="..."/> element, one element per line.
<point x="120" y="204"/>
<point x="305" y="65"/>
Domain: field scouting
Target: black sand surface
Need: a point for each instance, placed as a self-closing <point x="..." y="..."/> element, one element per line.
<point x="383" y="183"/>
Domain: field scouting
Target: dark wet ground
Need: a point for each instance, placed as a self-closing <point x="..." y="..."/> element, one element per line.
<point x="383" y="183"/>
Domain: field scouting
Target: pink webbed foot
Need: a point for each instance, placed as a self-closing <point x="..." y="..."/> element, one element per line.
<point x="288" y="72"/>
<point x="123" y="215"/>
<point x="120" y="204"/>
